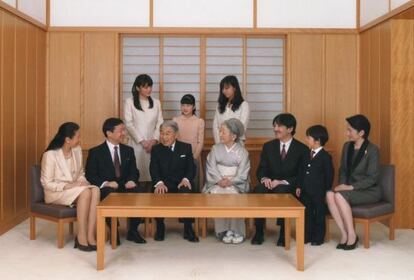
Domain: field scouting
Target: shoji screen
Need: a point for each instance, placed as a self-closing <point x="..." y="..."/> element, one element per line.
<point x="181" y="73"/>
<point x="224" y="56"/>
<point x="183" y="64"/>
<point x="141" y="55"/>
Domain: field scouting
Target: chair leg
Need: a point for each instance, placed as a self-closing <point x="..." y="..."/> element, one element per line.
<point x="327" y="230"/>
<point x="32" y="227"/>
<point x="204" y="228"/>
<point x="366" y="234"/>
<point x="60" y="234"/>
<point x="71" y="228"/>
<point x="391" y="225"/>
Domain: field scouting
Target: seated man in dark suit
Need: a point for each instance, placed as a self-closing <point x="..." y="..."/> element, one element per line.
<point x="279" y="167"/>
<point x="112" y="167"/>
<point x="172" y="171"/>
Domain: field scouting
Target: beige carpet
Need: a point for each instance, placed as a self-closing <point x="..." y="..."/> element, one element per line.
<point x="176" y="258"/>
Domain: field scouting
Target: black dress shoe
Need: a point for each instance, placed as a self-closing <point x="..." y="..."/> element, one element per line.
<point x="133" y="235"/>
<point x="160" y="234"/>
<point x="352" y="246"/>
<point x="316" y="243"/>
<point x="257" y="239"/>
<point x="280" y="242"/>
<point x="81" y="247"/>
<point x="190" y="235"/>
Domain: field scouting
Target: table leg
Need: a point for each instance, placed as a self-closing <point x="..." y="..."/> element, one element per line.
<point x="100" y="248"/>
<point x="114" y="225"/>
<point x="300" y="241"/>
<point x="287" y="233"/>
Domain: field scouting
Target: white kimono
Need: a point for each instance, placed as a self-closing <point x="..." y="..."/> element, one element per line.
<point x="142" y="125"/>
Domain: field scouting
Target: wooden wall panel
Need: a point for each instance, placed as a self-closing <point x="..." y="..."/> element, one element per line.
<point x="341" y="97"/>
<point x="100" y="98"/>
<point x="7" y="110"/>
<point x="21" y="116"/>
<point x="65" y="78"/>
<point x="402" y="112"/>
<point x="20" y="81"/>
<point x="41" y="101"/>
<point x="306" y="68"/>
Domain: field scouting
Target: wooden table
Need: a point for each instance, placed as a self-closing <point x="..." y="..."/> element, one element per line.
<point x="201" y="206"/>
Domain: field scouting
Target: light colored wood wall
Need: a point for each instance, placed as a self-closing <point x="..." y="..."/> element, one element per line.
<point x="22" y="113"/>
<point x="387" y="98"/>
<point x="322" y="83"/>
<point x="402" y="121"/>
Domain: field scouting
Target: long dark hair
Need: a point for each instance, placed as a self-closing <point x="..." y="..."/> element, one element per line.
<point x="142" y="80"/>
<point x="67" y="129"/>
<point x="237" y="98"/>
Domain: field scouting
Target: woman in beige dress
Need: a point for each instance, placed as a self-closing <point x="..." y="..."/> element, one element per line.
<point x="143" y="117"/>
<point x="64" y="182"/>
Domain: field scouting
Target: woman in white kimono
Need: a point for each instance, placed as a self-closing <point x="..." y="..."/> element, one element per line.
<point x="227" y="171"/>
<point x="230" y="105"/>
<point x="143" y="117"/>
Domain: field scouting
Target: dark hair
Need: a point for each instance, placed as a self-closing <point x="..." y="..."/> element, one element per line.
<point x="142" y="80"/>
<point x="189" y="99"/>
<point x="109" y="125"/>
<point x="286" y="119"/>
<point x="237" y="99"/>
<point x="359" y="123"/>
<point x="319" y="133"/>
<point x="67" y="129"/>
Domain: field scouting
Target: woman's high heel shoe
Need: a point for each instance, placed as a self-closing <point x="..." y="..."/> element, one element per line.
<point x="341" y="245"/>
<point x="92" y="247"/>
<point x="81" y="247"/>
<point x="352" y="246"/>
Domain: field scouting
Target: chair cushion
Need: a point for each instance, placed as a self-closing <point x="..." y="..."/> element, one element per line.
<point x="57" y="211"/>
<point x="372" y="210"/>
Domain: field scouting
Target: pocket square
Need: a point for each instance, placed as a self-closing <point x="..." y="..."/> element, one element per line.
<point x="181" y="156"/>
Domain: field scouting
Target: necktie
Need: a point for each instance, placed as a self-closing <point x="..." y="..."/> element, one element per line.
<point x="283" y="153"/>
<point x="117" y="164"/>
<point x="312" y="154"/>
<point x="171" y="148"/>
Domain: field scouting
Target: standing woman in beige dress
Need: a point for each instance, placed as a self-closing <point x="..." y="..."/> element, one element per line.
<point x="191" y="130"/>
<point x="64" y="182"/>
<point x="143" y="118"/>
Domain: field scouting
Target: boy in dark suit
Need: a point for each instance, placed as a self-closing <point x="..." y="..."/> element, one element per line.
<point x="112" y="167"/>
<point x="172" y="170"/>
<point x="315" y="180"/>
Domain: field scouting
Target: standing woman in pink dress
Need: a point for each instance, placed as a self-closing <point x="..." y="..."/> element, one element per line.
<point x="191" y="128"/>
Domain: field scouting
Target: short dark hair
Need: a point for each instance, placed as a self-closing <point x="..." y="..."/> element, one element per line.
<point x="319" y="133"/>
<point x="359" y="123"/>
<point x="109" y="125"/>
<point x="286" y="119"/>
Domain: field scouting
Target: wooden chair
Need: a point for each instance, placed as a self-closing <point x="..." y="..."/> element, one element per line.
<point x="382" y="211"/>
<point x="58" y="214"/>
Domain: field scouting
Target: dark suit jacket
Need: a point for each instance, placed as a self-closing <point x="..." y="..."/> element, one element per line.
<point x="100" y="167"/>
<point x="272" y="167"/>
<point x="171" y="167"/>
<point x="317" y="174"/>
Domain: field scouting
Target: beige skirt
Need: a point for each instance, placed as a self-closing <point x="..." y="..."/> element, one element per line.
<point x="69" y="196"/>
